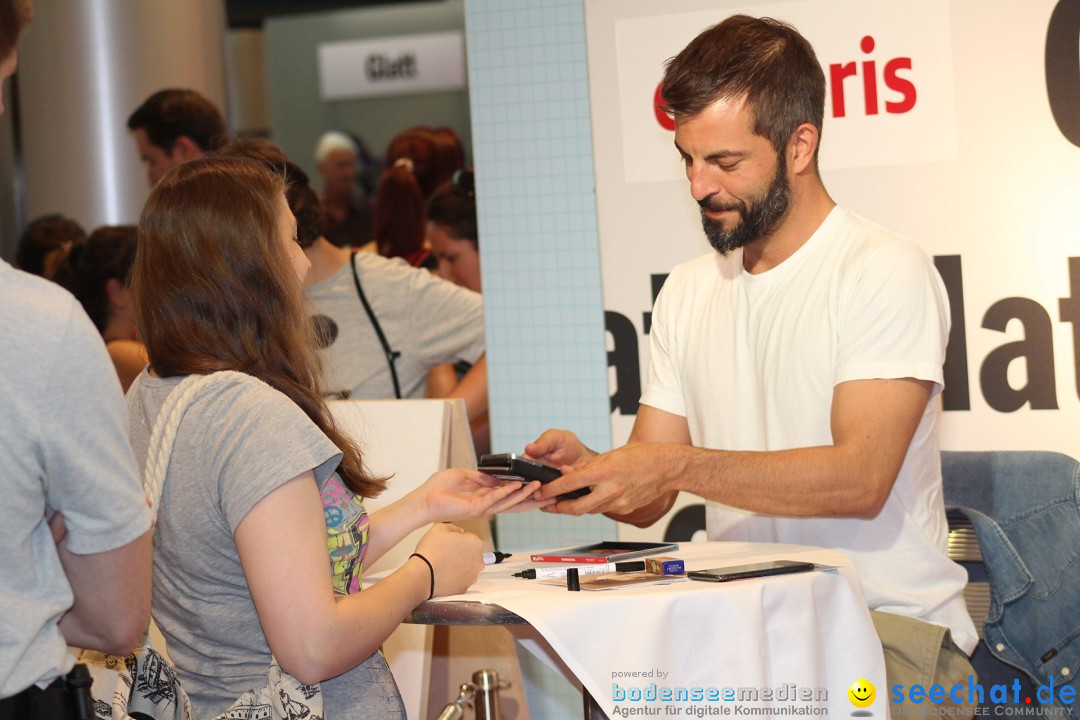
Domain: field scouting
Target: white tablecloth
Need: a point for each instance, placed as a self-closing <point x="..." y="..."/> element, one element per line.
<point x="779" y="638"/>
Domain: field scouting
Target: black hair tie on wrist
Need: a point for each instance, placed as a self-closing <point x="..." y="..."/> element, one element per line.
<point x="430" y="569"/>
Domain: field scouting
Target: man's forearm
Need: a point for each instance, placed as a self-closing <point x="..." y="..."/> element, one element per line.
<point x="111" y="607"/>
<point x="872" y="426"/>
<point x="823" y="481"/>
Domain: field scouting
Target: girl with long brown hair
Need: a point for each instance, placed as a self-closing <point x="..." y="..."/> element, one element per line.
<point x="259" y="478"/>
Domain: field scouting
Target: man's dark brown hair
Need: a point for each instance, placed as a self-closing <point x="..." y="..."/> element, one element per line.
<point x="169" y="114"/>
<point x="765" y="61"/>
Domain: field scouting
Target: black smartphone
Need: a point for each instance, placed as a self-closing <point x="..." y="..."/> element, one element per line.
<point x="509" y="466"/>
<point x="737" y="572"/>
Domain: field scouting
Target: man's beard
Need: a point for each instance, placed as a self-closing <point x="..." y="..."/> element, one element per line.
<point x="761" y="218"/>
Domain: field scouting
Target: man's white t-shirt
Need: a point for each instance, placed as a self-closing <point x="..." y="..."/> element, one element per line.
<point x="751" y="361"/>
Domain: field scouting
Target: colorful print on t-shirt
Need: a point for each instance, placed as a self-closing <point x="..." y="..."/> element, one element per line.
<point x="346" y="535"/>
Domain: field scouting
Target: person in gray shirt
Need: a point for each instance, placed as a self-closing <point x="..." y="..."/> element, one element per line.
<point x="262" y="535"/>
<point x="75" y="546"/>
<point x="65" y="454"/>
<point x="381" y="325"/>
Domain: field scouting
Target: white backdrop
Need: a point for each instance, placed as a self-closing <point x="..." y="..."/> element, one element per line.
<point x="960" y="151"/>
<point x="938" y="125"/>
<point x="986" y="178"/>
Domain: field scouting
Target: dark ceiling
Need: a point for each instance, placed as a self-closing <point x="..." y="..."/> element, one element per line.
<point x="252" y="13"/>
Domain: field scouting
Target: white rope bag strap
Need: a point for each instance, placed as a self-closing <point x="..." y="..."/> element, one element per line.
<point x="281" y="696"/>
<point x="168" y="421"/>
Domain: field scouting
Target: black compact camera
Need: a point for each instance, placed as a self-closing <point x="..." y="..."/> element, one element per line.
<point x="508" y="466"/>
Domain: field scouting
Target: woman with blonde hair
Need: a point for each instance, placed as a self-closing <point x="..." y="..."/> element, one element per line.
<point x="260" y="480"/>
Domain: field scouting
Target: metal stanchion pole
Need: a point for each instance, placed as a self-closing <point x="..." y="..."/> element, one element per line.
<point x="487" y="694"/>
<point x="483" y="692"/>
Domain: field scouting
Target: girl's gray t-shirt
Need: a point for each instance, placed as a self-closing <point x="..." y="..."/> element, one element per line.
<point x="237" y="442"/>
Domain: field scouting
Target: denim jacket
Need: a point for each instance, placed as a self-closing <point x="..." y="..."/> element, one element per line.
<point x="1025" y="510"/>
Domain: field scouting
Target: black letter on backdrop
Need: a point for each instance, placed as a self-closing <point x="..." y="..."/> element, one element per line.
<point x="657" y="283"/>
<point x="624" y="358"/>
<point x="1069" y="309"/>
<point x="957" y="392"/>
<point x="1037" y="348"/>
<point x="1063" y="68"/>
<point x="624" y="354"/>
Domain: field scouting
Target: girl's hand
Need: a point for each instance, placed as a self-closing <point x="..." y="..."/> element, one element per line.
<point x="454" y="556"/>
<point x="457" y="494"/>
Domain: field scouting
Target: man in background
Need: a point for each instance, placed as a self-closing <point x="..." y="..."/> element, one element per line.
<point x="172" y="126"/>
<point x="75" y="545"/>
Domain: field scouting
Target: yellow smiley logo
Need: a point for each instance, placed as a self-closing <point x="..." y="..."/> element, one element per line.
<point x="861" y="693"/>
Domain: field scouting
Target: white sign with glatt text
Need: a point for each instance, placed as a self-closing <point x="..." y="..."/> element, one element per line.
<point x="400" y="65"/>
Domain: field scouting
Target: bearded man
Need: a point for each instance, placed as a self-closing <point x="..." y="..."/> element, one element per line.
<point x="795" y="372"/>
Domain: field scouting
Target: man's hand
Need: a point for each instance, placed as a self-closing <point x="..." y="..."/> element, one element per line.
<point x="630" y="483"/>
<point x="560" y="448"/>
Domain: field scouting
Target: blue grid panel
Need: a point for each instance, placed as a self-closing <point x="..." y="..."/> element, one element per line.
<point x="532" y="144"/>
<point x="540" y="259"/>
